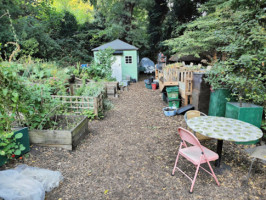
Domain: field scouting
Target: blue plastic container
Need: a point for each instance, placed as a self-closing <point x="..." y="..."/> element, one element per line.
<point x="169" y="111"/>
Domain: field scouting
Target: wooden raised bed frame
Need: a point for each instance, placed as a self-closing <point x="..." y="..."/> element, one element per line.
<point x="66" y="139"/>
<point x="77" y="104"/>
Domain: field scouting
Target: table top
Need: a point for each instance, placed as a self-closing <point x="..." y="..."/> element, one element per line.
<point x="225" y="128"/>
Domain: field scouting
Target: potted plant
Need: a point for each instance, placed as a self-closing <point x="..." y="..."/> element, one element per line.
<point x="12" y="142"/>
<point x="245" y="78"/>
<point x="10" y="146"/>
<point x="220" y="92"/>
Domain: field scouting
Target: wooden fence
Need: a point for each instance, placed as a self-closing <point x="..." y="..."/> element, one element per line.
<point x="78" y="104"/>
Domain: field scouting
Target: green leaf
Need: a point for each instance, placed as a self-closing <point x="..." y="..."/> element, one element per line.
<point x="21" y="147"/>
<point x="17" y="152"/>
<point x="5" y="92"/>
<point x="18" y="135"/>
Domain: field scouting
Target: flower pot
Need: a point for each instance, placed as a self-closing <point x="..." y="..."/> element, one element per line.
<point x="3" y="160"/>
<point x="24" y="140"/>
<point x="218" y="102"/>
<point x="249" y="113"/>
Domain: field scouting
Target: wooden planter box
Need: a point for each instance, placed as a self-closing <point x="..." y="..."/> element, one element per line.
<point x="67" y="139"/>
<point x="112" y="88"/>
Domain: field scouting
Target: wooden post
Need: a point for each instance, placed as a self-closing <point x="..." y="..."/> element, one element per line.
<point x="71" y="90"/>
<point x="95" y="105"/>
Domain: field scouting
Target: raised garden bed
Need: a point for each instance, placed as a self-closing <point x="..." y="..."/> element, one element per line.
<point x="112" y="88"/>
<point x="67" y="133"/>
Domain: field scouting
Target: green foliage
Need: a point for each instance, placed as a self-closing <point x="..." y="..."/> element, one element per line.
<point x="11" y="101"/>
<point x="232" y="36"/>
<point x="101" y="68"/>
<point x="107" y="104"/>
<point x="89" y="113"/>
<point x="22" y="101"/>
<point x="126" y="20"/>
<point x="9" y="147"/>
<point x="217" y="77"/>
<point x="157" y="14"/>
<point x="92" y="89"/>
<point x="82" y="10"/>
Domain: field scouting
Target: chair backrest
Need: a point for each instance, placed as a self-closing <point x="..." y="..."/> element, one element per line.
<point x="192" y="113"/>
<point x="188" y="137"/>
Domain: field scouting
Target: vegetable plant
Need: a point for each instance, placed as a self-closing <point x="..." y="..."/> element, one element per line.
<point x="9" y="145"/>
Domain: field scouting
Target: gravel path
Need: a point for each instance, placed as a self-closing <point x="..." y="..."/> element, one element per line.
<point x="131" y="152"/>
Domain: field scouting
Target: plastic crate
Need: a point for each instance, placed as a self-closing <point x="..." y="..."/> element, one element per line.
<point x="172" y="92"/>
<point x="174" y="103"/>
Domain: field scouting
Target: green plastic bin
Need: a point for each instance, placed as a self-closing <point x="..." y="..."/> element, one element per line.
<point x="218" y="102"/>
<point x="172" y="92"/>
<point x="174" y="103"/>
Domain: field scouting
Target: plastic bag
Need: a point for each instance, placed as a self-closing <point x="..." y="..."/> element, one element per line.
<point x="49" y="179"/>
<point x="148" y="65"/>
<point x="27" y="183"/>
<point x="15" y="186"/>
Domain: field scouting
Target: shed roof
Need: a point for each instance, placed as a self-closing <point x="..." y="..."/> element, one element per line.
<point x="116" y="45"/>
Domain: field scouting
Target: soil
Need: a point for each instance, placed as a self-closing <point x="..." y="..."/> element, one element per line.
<point x="169" y="109"/>
<point x="130" y="155"/>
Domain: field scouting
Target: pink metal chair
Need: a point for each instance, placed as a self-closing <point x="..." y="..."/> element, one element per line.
<point x="197" y="154"/>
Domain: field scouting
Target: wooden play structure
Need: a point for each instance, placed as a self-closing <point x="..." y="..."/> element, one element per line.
<point x="178" y="75"/>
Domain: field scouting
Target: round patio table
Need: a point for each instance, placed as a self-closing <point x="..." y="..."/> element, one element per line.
<point x="222" y="128"/>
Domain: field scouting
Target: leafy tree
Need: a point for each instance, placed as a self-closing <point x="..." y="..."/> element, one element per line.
<point x="69" y="25"/>
<point x="232" y="35"/>
<point x="126" y="20"/>
<point x="157" y="14"/>
<point x="81" y="9"/>
<point x="168" y="19"/>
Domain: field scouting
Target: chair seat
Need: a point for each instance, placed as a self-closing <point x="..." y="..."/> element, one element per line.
<point x="193" y="154"/>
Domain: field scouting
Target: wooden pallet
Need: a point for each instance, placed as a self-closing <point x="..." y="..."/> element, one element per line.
<point x="178" y="75"/>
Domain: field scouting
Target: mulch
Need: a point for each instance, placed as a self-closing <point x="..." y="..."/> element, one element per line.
<point x="130" y="155"/>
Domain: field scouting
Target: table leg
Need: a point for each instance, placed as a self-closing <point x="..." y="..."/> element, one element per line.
<point x="219" y="152"/>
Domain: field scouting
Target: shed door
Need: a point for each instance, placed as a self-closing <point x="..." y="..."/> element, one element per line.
<point x="117" y="69"/>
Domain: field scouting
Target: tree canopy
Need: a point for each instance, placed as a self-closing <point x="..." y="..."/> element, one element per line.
<point x="66" y="30"/>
